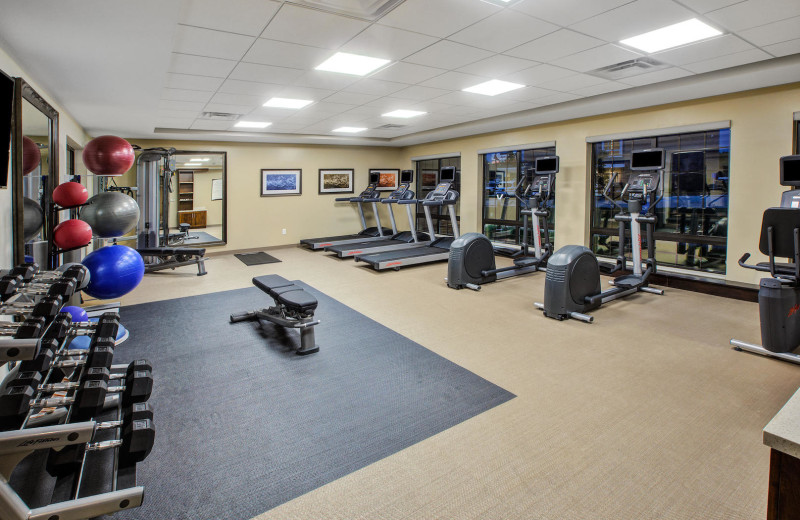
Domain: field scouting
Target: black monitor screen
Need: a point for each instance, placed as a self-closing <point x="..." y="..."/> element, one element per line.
<point x="547" y="165"/>
<point x="374" y="177"/>
<point x="6" y="107"/>
<point x="406" y="176"/>
<point x="448" y="174"/>
<point x="790" y="170"/>
<point x="688" y="162"/>
<point x="648" y="159"/>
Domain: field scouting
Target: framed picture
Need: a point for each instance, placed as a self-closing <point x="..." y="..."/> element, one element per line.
<point x="280" y="182"/>
<point x="336" y="180"/>
<point x="389" y="179"/>
<point x="428" y="179"/>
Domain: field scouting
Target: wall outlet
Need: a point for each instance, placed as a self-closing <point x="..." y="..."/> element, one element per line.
<point x="283" y="231"/>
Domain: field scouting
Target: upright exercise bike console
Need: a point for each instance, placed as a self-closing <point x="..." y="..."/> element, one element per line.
<point x="572" y="284"/>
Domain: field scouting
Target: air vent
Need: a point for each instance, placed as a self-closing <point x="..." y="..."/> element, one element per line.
<point x="365" y="9"/>
<point x="219" y="116"/>
<point x="389" y="127"/>
<point x="626" y="69"/>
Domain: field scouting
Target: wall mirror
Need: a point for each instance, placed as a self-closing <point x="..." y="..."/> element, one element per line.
<point x="198" y="198"/>
<point x="35" y="174"/>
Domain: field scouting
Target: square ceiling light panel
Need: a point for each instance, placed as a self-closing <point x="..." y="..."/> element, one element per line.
<point x="671" y="36"/>
<point x="278" y="102"/>
<point x="493" y="87"/>
<point x="405" y="114"/>
<point x="354" y="64"/>
<point x="252" y="124"/>
<point x="349" y="129"/>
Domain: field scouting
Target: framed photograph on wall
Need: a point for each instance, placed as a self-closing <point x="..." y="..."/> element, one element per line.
<point x="428" y="179"/>
<point x="389" y="178"/>
<point x="280" y="182"/>
<point x="336" y="180"/>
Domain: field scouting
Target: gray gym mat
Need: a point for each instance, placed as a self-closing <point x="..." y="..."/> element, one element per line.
<point x="243" y="424"/>
<point x="256" y="258"/>
<point x="202" y="238"/>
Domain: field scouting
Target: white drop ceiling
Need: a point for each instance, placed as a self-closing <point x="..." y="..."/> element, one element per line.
<point x="152" y="68"/>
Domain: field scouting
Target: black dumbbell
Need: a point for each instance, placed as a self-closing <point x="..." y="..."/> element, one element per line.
<point x="48" y="345"/>
<point x="138" y="437"/>
<point x="31" y="379"/>
<point x="9" y="285"/>
<point x="47" y="307"/>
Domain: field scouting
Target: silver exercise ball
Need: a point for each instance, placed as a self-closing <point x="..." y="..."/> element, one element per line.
<point x="32" y="218"/>
<point x="110" y="214"/>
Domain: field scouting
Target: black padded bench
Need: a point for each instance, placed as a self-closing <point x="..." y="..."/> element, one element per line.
<point x="294" y="308"/>
<point x="158" y="258"/>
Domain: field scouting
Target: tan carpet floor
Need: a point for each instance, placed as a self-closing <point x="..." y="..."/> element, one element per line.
<point x="645" y="414"/>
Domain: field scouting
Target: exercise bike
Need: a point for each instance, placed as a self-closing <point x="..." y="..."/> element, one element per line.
<point x="472" y="263"/>
<point x="779" y="295"/>
<point x="572" y="285"/>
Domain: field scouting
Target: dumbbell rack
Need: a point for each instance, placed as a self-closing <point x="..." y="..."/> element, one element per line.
<point x="100" y="484"/>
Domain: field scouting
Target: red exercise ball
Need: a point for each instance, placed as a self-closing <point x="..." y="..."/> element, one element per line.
<point x="72" y="233"/>
<point x="70" y="194"/>
<point x="108" y="155"/>
<point x="31" y="156"/>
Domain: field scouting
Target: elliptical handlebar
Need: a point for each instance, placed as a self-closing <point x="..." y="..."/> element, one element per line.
<point x="608" y="188"/>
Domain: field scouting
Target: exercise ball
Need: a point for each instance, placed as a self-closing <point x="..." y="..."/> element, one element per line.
<point x="69" y="194"/>
<point x="111" y="214"/>
<point x="87" y="276"/>
<point x="77" y="313"/>
<point x="108" y="155"/>
<point x="31" y="156"/>
<point x="116" y="270"/>
<point x="72" y="233"/>
<point x="32" y="218"/>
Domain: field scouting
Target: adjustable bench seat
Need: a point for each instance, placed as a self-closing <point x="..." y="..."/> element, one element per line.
<point x="286" y="293"/>
<point x="159" y="258"/>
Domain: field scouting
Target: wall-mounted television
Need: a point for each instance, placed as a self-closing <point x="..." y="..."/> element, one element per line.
<point x="6" y="111"/>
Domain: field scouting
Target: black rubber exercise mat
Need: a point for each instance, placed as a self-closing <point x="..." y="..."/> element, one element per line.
<point x="243" y="424"/>
<point x="256" y="258"/>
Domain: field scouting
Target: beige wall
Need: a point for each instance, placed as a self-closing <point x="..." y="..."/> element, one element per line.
<point x="202" y="196"/>
<point x="761" y="132"/>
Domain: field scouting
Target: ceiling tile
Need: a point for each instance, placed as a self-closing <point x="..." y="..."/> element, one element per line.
<point x="753" y="13"/>
<point x="297" y="92"/>
<point x="200" y="65"/>
<point x="178" y="94"/>
<point x="237" y="16"/>
<point x="555" y="45"/>
<point x="402" y="72"/>
<point x="471" y="100"/>
<point x="529" y="93"/>
<point x="282" y="54"/>
<point x="177" y="114"/>
<point x="230" y="109"/>
<point x="538" y="74"/>
<point x="169" y="122"/>
<point x="265" y="73"/>
<point x="325" y="108"/>
<point x="502" y="31"/>
<point x="731" y="60"/>
<point x="204" y="124"/>
<point x="634" y="18"/>
<point x="448" y="55"/>
<point x="566" y="12"/>
<point x="496" y="66"/>
<point x="772" y="33"/>
<point x="238" y="99"/>
<point x="213" y="44"/>
<point x="784" y="48"/>
<point x="656" y="76"/>
<point x="283" y="126"/>
<point x="350" y="98"/>
<point x="595" y="58"/>
<point x="192" y="82"/>
<point x="454" y="81"/>
<point x="251" y="88"/>
<point x="381" y="41"/>
<point x="705" y="50"/>
<point x="375" y="87"/>
<point x="325" y="80"/>
<point x="603" y="88"/>
<point x="271" y="114"/>
<point x="558" y="97"/>
<point x="190" y="106"/>
<point x="305" y="26"/>
<point x="440" y="18"/>
<point x="704" y="6"/>
<point x="573" y="83"/>
<point x="419" y="93"/>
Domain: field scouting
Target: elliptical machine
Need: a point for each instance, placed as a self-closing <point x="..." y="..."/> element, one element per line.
<point x="471" y="262"/>
<point x="572" y="284"/>
<point x="779" y="295"/>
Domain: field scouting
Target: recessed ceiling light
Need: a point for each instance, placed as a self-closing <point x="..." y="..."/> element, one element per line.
<point x="349" y="129"/>
<point x="202" y="159"/>
<point x="278" y="102"/>
<point x="252" y="124"/>
<point x="404" y="113"/>
<point x="193" y="164"/>
<point x="493" y="87"/>
<point x="351" y="64"/>
<point x="671" y="36"/>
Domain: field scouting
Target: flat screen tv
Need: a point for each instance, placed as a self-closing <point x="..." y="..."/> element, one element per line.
<point x="6" y="109"/>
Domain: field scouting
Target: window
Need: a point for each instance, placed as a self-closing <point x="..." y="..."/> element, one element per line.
<point x="427" y="176"/>
<point x="692" y="228"/>
<point x="502" y="221"/>
<point x="70" y="162"/>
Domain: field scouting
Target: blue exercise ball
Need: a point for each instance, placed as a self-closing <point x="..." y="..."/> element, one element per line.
<point x="115" y="271"/>
<point x="77" y="313"/>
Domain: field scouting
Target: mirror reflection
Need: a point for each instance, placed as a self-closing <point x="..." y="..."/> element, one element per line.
<point x="35" y="170"/>
<point x="196" y="205"/>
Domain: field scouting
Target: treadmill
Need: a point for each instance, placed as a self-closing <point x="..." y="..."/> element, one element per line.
<point x="370" y="194"/>
<point x="403" y="240"/>
<point x="439" y="249"/>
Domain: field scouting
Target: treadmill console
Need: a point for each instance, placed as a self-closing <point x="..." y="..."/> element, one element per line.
<point x="399" y="193"/>
<point x="441" y="190"/>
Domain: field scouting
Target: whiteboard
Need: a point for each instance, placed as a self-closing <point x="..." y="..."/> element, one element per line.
<point x="216" y="189"/>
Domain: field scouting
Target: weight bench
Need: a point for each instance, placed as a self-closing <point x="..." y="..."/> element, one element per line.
<point x="294" y="308"/>
<point x="158" y="258"/>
